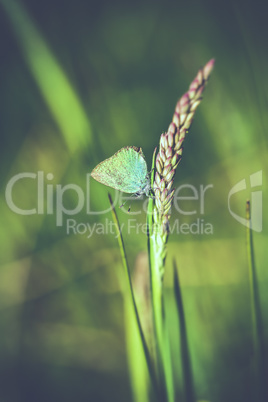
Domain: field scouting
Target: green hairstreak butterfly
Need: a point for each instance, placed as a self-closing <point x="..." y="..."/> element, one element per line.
<point x="126" y="171"/>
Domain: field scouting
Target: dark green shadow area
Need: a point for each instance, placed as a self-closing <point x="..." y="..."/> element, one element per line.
<point x="80" y="80"/>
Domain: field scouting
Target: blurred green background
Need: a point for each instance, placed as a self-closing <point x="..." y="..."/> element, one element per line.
<point x="80" y="80"/>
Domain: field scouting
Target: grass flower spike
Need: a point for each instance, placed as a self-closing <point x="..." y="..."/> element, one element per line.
<point x="159" y="209"/>
<point x="170" y="147"/>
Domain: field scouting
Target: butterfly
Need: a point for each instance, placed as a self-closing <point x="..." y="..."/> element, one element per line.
<point x="126" y="171"/>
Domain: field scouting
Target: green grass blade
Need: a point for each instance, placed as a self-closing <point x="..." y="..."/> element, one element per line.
<point x="150" y="250"/>
<point x="151" y="260"/>
<point x="131" y="293"/>
<point x="162" y="353"/>
<point x="258" y="341"/>
<point x="150" y="206"/>
<point x="54" y="85"/>
<point x="185" y="353"/>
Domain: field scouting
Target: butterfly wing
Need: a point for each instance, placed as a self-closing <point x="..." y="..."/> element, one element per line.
<point x="139" y="174"/>
<point x="125" y="171"/>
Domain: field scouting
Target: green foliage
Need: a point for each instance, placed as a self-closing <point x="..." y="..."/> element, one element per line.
<point x="78" y="82"/>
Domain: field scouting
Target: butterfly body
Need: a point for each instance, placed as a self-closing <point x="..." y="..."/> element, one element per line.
<point x="126" y="171"/>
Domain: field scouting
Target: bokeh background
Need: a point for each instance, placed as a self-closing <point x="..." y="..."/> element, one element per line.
<point x="80" y="80"/>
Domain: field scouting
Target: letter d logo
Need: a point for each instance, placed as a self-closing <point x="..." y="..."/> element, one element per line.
<point x="256" y="201"/>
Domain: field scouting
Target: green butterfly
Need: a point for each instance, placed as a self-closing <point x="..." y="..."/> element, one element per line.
<point x="126" y="171"/>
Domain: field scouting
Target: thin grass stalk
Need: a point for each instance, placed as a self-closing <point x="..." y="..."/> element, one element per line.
<point x="185" y="353"/>
<point x="164" y="371"/>
<point x="164" y="376"/>
<point x="260" y="382"/>
<point x="151" y="256"/>
<point x="167" y="160"/>
<point x="132" y="297"/>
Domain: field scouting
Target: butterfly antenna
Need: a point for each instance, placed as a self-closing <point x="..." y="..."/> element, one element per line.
<point x="124" y="204"/>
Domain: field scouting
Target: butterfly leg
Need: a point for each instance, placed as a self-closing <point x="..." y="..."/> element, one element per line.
<point x="123" y="205"/>
<point x="132" y="195"/>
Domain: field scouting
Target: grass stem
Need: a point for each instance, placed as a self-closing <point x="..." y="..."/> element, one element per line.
<point x="258" y="341"/>
<point x="131" y="293"/>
